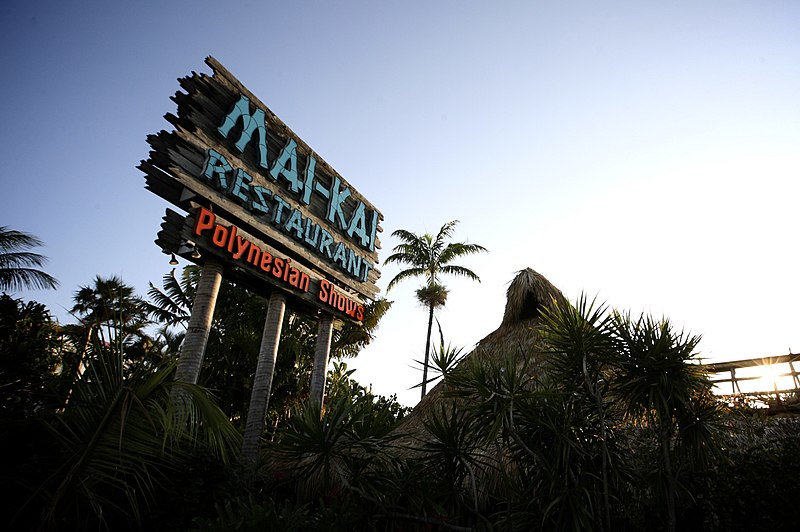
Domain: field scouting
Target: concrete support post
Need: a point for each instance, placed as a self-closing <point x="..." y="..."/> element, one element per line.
<point x="321" y="353"/>
<point x="262" y="383"/>
<point x="194" y="344"/>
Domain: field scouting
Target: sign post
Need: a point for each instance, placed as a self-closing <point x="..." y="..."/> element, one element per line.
<point x="194" y="343"/>
<point x="267" y="210"/>
<point x="321" y="352"/>
<point x="262" y="383"/>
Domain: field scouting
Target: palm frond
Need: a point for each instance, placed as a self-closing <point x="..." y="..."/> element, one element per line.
<point x="446" y="231"/>
<point x="459" y="271"/>
<point x="457" y="250"/>
<point x="16" y="278"/>
<point x="405" y="274"/>
<point x="170" y="306"/>
<point x="12" y="240"/>
<point x="121" y="439"/>
<point x="18" y="266"/>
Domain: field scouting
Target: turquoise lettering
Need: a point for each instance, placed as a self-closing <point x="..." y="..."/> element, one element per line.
<point x="353" y="263"/>
<point x="367" y="267"/>
<point x="373" y="231"/>
<point x="295" y="223"/>
<point x="286" y="166"/>
<point x="278" y="214"/>
<point x="340" y="255"/>
<point x="338" y="195"/>
<point x="241" y="185"/>
<point x="217" y="166"/>
<point x="251" y="124"/>
<point x="324" y="192"/>
<point x="311" y="240"/>
<point x="325" y="243"/>
<point x="358" y="225"/>
<point x="308" y="184"/>
<point x="259" y="202"/>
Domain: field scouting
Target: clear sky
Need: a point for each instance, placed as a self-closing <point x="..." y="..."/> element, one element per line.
<point x="642" y="152"/>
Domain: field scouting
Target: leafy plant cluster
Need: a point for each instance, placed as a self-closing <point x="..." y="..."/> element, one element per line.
<point x="90" y="427"/>
<point x="611" y="426"/>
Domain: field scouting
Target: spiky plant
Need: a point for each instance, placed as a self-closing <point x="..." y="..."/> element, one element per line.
<point x="120" y="436"/>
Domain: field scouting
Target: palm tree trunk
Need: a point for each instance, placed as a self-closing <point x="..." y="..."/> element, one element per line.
<point x="665" y="437"/>
<point x="194" y="343"/>
<point x="84" y="351"/>
<point x="427" y="352"/>
<point x="321" y="352"/>
<point x="262" y="383"/>
<point x="81" y="363"/>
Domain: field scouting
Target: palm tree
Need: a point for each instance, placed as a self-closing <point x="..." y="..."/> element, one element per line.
<point x="110" y="301"/>
<point x="18" y="266"/>
<point x="431" y="258"/>
<point x="657" y="383"/>
<point x="108" y="310"/>
<point x="172" y="305"/>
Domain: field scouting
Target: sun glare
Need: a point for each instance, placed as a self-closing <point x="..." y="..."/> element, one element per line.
<point x="771" y="376"/>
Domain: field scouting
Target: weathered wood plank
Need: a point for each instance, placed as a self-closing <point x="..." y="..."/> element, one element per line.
<point x="180" y="228"/>
<point x="177" y="161"/>
<point x="229" y="207"/>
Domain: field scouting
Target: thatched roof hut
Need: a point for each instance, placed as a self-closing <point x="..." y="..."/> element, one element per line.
<point x="528" y="294"/>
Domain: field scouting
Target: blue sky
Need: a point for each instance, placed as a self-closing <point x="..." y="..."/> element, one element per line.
<point x="643" y="152"/>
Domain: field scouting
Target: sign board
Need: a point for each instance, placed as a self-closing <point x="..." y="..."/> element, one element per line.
<point x="230" y="158"/>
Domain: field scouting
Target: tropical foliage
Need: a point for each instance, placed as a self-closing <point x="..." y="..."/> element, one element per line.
<point x="19" y="267"/>
<point x="120" y="438"/>
<point x="514" y="446"/>
<point x="430" y="257"/>
<point x="607" y="424"/>
<point x="233" y="344"/>
<point x="33" y="352"/>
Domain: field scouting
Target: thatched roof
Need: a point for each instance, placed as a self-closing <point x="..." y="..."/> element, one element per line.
<point x="528" y="294"/>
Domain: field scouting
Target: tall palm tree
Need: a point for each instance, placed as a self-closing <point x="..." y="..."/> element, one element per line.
<point x="430" y="257"/>
<point x="18" y="266"/>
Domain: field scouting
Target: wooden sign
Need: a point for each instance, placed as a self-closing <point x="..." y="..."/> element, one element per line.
<point x="253" y="262"/>
<point x="230" y="155"/>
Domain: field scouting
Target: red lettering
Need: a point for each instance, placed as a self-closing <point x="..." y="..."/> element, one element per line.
<point x="266" y="261"/>
<point x="220" y="236"/>
<point x="323" y="290"/>
<point x="254" y="255"/>
<point x="277" y="268"/>
<point x="241" y="246"/>
<point x="341" y="303"/>
<point x="205" y="220"/>
<point x="286" y="272"/>
<point x="232" y="238"/>
<point x="304" y="282"/>
<point x="328" y="294"/>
